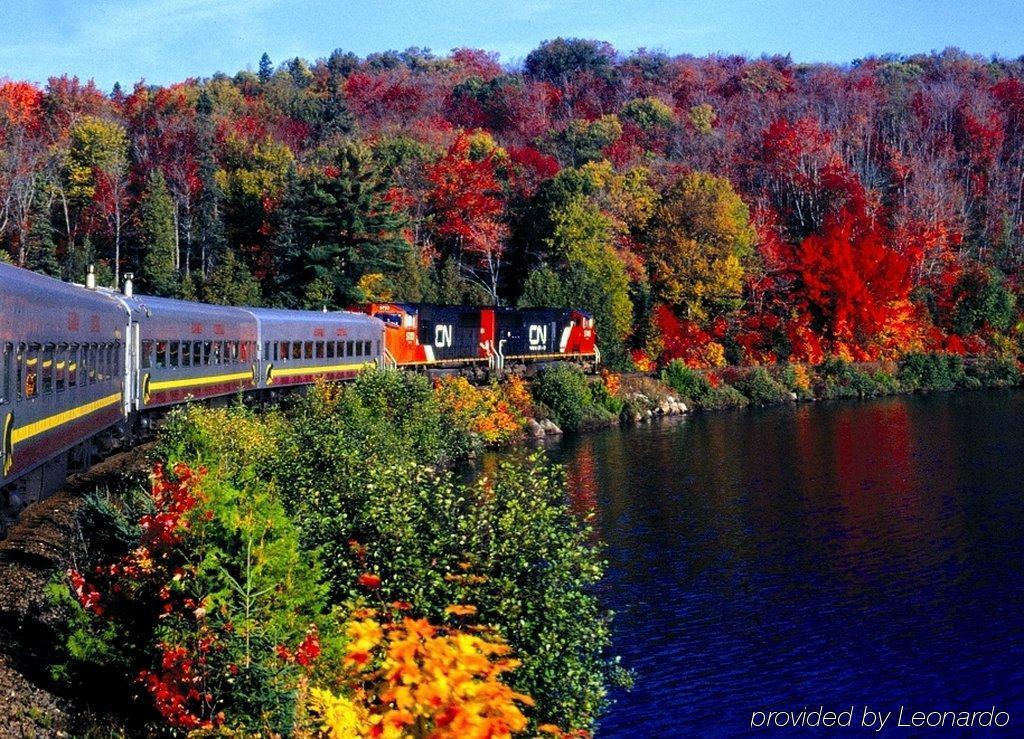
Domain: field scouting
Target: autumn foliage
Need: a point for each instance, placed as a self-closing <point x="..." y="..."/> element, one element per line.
<point x="781" y="211"/>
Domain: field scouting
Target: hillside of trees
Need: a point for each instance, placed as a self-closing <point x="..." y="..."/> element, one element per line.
<point x="717" y="209"/>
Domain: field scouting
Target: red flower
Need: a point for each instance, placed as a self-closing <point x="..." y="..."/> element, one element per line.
<point x="307" y="652"/>
<point x="369" y="580"/>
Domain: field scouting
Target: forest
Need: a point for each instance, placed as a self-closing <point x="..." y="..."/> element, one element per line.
<point x="716" y="210"/>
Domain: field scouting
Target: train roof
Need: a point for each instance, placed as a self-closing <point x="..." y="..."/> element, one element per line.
<point x="277" y="323"/>
<point x="416" y="307"/>
<point x="23" y="282"/>
<point x="35" y="307"/>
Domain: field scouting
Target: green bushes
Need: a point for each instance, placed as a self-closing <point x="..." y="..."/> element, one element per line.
<point x="937" y="372"/>
<point x="505" y="544"/>
<point x="361" y="473"/>
<point x="760" y="388"/>
<point x="994" y="372"/>
<point x="202" y="582"/>
<point x="722" y="397"/>
<point x="695" y="387"/>
<point x="565" y="390"/>
<point x="685" y="381"/>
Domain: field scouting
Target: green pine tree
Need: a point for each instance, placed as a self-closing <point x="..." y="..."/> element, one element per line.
<point x="266" y="68"/>
<point x="343" y="227"/>
<point x="156" y="238"/>
<point x="231" y="283"/>
<point x="209" y="225"/>
<point x="40" y="246"/>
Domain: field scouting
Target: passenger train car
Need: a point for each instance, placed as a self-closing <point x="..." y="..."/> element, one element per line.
<point x="82" y="368"/>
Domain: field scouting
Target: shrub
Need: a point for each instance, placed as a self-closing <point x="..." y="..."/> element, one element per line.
<point x="763" y="389"/>
<point x="724" y="396"/>
<point x="213" y="608"/>
<point x="446" y="682"/>
<point x="374" y="506"/>
<point x="605" y="400"/>
<point x="937" y="372"/>
<point x="994" y="372"/>
<point x="481" y="411"/>
<point x="685" y="381"/>
<point x="565" y="390"/>
<point x="797" y="378"/>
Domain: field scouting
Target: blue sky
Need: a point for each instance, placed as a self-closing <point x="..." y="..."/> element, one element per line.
<point x="167" y="40"/>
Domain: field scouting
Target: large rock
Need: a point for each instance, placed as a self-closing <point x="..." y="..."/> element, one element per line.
<point x="534" y="429"/>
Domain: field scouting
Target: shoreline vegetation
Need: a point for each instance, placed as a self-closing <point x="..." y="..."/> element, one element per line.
<point x="565" y="398"/>
<point x="327" y="569"/>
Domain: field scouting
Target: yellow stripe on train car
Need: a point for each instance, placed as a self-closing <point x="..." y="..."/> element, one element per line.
<point x="41" y="426"/>
<point x="8" y="444"/>
<point x="321" y="370"/>
<point x="199" y="381"/>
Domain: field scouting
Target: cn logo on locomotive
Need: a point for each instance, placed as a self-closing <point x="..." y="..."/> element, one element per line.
<point x="443" y="335"/>
<point x="538" y="337"/>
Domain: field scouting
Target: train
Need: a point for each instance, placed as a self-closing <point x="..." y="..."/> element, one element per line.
<point x="84" y="368"/>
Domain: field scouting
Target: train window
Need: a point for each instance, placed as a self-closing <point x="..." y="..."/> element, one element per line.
<point x="174" y="356"/>
<point x="28" y="362"/>
<point x="296" y="350"/>
<point x="197" y="354"/>
<point x="46" y="374"/>
<point x="71" y="372"/>
<point x="160" y="360"/>
<point x="366" y="349"/>
<point x="207" y="352"/>
<point x="60" y="368"/>
<point x="349" y="347"/>
<point x="146" y="352"/>
<point x="319" y="350"/>
<point x="330" y="349"/>
<point x="309" y="350"/>
<point x="6" y="350"/>
<point x="186" y="354"/>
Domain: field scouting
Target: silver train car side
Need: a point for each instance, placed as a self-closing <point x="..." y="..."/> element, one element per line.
<point x="82" y="367"/>
<point x="62" y="376"/>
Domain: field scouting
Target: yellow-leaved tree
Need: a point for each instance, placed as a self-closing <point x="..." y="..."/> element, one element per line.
<point x="698" y="245"/>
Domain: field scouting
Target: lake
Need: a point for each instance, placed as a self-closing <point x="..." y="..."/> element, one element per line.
<point x="830" y="554"/>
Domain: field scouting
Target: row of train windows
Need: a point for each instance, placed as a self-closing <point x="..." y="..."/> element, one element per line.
<point x="162" y="354"/>
<point x="282" y="351"/>
<point x="34" y="370"/>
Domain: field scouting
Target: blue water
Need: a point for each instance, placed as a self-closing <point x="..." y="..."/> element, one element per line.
<point x="834" y="554"/>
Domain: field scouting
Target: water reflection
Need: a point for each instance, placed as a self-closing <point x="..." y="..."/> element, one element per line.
<point x="829" y="553"/>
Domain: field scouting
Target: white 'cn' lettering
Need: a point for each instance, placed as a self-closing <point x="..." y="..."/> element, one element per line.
<point x="442" y="335"/>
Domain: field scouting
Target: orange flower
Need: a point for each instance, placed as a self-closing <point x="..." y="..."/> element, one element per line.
<point x="369" y="580"/>
<point x="460" y="610"/>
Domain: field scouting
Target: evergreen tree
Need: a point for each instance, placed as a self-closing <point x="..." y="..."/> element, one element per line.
<point x="156" y="237"/>
<point x="231" y="283"/>
<point x="344" y="227"/>
<point x="266" y="68"/>
<point x="40" y="246"/>
<point x="210" y="238"/>
<point x="335" y="117"/>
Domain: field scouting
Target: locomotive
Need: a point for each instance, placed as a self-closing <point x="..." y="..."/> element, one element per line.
<point x="82" y="367"/>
